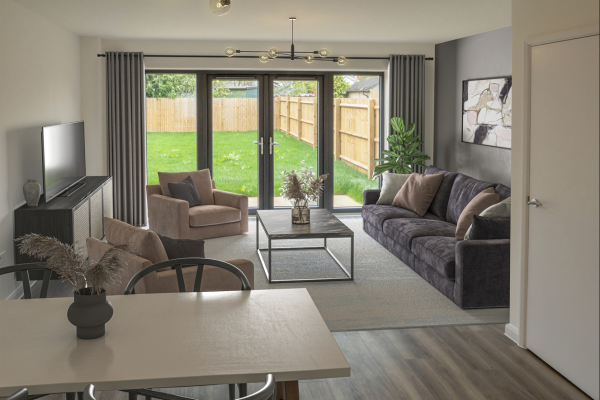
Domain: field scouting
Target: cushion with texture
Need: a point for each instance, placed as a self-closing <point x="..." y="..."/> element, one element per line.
<point x="146" y="244"/>
<point x="185" y="190"/>
<point x="439" y="252"/>
<point x="182" y="248"/>
<point x="489" y="228"/>
<point x="213" y="215"/>
<point x="439" y="205"/>
<point x="418" y="192"/>
<point x="503" y="191"/>
<point x="483" y="200"/>
<point x="463" y="191"/>
<point x="377" y="215"/>
<point x="202" y="180"/>
<point x="392" y="183"/>
<point x="500" y="210"/>
<point x="404" y="231"/>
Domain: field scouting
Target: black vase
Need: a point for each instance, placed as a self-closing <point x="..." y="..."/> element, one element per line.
<point x="90" y="313"/>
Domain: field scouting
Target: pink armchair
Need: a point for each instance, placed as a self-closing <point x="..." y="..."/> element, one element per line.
<point x="221" y="213"/>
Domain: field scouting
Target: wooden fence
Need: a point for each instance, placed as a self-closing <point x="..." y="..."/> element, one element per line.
<point x="356" y="122"/>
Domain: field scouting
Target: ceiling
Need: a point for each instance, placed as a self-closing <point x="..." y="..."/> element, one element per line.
<point x="422" y="21"/>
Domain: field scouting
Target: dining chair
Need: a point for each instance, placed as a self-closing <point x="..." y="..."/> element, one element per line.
<point x="19" y="395"/>
<point x="189" y="263"/>
<point x="88" y="392"/>
<point x="24" y="269"/>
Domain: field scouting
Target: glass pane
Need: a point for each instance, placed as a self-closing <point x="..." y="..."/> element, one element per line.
<point x="356" y="137"/>
<point x="170" y="124"/>
<point x="235" y="129"/>
<point x="296" y="130"/>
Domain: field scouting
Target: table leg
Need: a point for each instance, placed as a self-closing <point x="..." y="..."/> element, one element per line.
<point x="325" y="243"/>
<point x="352" y="257"/>
<point x="270" y="258"/>
<point x="291" y="389"/>
<point x="257" y="239"/>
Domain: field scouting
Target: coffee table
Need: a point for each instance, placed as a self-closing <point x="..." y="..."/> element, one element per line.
<point x="277" y="225"/>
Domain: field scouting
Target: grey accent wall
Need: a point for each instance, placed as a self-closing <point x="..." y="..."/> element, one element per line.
<point x="486" y="55"/>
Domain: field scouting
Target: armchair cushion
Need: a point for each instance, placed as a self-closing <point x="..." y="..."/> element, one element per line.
<point x="186" y="190"/>
<point x="213" y="215"/>
<point x="202" y="180"/>
<point x="146" y="244"/>
<point x="182" y="248"/>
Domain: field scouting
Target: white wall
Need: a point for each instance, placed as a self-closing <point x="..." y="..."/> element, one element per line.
<point x="533" y="18"/>
<point x="39" y="66"/>
<point x="90" y="70"/>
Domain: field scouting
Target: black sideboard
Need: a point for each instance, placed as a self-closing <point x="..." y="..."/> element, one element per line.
<point x="70" y="219"/>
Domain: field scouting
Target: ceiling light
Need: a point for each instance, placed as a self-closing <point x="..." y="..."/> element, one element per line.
<point x="230" y="52"/>
<point x="264" y="57"/>
<point x="309" y="59"/>
<point x="219" y="7"/>
<point x="323" y="52"/>
<point x="273" y="52"/>
<point x="342" y="61"/>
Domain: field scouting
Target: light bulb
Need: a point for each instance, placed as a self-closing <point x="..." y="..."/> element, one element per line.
<point x="273" y="52"/>
<point x="323" y="53"/>
<point x="230" y="52"/>
<point x="309" y="59"/>
<point x="264" y="57"/>
<point x="219" y="7"/>
<point x="342" y="61"/>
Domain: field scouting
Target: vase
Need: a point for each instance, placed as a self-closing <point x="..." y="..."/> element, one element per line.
<point x="32" y="190"/>
<point x="301" y="213"/>
<point x="90" y="313"/>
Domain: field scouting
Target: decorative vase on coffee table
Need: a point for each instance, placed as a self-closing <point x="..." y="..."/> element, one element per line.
<point x="90" y="313"/>
<point x="32" y="190"/>
<point x="301" y="213"/>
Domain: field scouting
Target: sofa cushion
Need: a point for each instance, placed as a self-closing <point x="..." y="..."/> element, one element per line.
<point x="404" y="231"/>
<point x="213" y="215"/>
<point x="438" y="252"/>
<point x="503" y="191"/>
<point x="418" y="192"/>
<point x="480" y="203"/>
<point x="182" y="248"/>
<point x="186" y="190"/>
<point x="377" y="215"/>
<point x="392" y="183"/>
<point x="464" y="190"/>
<point x="439" y="205"/>
<point x="490" y="228"/>
<point x="202" y="179"/>
<point x="146" y="244"/>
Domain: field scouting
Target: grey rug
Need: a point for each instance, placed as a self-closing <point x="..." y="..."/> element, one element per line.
<point x="386" y="293"/>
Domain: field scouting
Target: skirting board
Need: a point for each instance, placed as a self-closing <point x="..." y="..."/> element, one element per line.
<point x="512" y="332"/>
<point x="19" y="293"/>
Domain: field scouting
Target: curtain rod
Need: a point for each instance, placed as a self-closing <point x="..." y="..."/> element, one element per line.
<point x="282" y="58"/>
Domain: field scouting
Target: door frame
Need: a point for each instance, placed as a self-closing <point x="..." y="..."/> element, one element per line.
<point x="521" y="225"/>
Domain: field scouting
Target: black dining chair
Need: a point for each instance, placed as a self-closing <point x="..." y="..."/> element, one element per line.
<point x="24" y="269"/>
<point x="189" y="263"/>
<point x="88" y="392"/>
<point x="20" y="395"/>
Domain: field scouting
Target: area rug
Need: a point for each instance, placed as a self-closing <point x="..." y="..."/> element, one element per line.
<point x="385" y="294"/>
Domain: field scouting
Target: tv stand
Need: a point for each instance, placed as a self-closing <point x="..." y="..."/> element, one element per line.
<point x="72" y="189"/>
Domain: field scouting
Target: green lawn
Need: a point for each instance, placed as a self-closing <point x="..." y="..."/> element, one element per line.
<point x="235" y="161"/>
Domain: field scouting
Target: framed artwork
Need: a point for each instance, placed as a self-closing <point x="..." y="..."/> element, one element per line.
<point x="487" y="112"/>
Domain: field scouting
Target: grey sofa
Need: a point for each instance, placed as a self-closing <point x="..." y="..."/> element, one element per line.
<point x="472" y="273"/>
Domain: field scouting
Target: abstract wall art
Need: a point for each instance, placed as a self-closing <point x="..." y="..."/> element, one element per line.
<point x="487" y="112"/>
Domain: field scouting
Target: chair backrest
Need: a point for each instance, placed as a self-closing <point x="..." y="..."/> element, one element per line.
<point x="177" y="263"/>
<point x="88" y="392"/>
<point x="146" y="243"/>
<point x="24" y="269"/>
<point x="20" y="395"/>
<point x="266" y="393"/>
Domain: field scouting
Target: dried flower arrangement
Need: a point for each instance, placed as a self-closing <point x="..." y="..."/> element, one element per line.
<point x="74" y="268"/>
<point x="302" y="186"/>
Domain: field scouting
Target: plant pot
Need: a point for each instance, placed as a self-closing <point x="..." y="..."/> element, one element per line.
<point x="301" y="213"/>
<point x="90" y="313"/>
<point x="32" y="190"/>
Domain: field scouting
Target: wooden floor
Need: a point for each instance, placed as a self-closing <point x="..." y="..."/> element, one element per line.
<point x="456" y="362"/>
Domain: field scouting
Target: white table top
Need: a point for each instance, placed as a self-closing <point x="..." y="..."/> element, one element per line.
<point x="168" y="340"/>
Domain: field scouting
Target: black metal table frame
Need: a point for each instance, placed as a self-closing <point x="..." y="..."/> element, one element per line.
<point x="270" y="249"/>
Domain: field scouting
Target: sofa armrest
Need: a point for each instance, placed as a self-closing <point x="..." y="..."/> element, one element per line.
<point x="371" y="196"/>
<point x="169" y="217"/>
<point x="239" y="201"/>
<point x="482" y="273"/>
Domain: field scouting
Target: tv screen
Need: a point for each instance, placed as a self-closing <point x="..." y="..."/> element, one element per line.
<point x="63" y="152"/>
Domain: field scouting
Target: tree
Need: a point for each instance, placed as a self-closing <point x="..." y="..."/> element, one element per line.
<point x="340" y="86"/>
<point x="295" y="88"/>
<point x="221" y="89"/>
<point x="170" y="85"/>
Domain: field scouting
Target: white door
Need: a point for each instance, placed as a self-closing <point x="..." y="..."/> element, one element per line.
<point x="563" y="279"/>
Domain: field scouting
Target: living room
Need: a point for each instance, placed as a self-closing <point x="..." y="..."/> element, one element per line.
<point x="397" y="272"/>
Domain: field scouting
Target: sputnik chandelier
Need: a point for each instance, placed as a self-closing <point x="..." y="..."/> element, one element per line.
<point x="308" y="56"/>
<point x="219" y="7"/>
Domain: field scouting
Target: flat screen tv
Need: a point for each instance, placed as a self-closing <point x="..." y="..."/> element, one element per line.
<point x="63" y="157"/>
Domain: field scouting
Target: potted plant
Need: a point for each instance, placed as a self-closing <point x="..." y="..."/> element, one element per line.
<point x="301" y="187"/>
<point x="90" y="310"/>
<point x="404" y="153"/>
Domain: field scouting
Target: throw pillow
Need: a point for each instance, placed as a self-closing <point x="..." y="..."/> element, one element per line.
<point x="182" y="248"/>
<point x="500" y="210"/>
<point x="418" y="192"/>
<point x="489" y="228"/>
<point x="483" y="200"/>
<point x="392" y="183"/>
<point x="201" y="178"/>
<point x="187" y="191"/>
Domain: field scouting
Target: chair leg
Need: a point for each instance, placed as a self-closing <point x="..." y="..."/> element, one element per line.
<point x="71" y="396"/>
<point x="232" y="392"/>
<point x="133" y="396"/>
<point x="80" y="395"/>
<point x="243" y="388"/>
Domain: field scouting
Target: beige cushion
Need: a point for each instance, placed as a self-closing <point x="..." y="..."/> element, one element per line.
<point x="146" y="244"/>
<point x="418" y="192"/>
<point x="202" y="180"/>
<point x="213" y="215"/>
<point x="483" y="200"/>
<point x="500" y="210"/>
<point x="392" y="183"/>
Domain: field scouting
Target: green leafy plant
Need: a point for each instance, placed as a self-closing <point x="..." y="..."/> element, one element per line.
<point x="340" y="87"/>
<point x="404" y="153"/>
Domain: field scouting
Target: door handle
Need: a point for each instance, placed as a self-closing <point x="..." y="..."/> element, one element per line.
<point x="273" y="144"/>
<point x="261" y="144"/>
<point x="534" y="203"/>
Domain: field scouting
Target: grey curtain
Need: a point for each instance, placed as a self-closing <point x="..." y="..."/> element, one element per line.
<point x="126" y="111"/>
<point x="407" y="91"/>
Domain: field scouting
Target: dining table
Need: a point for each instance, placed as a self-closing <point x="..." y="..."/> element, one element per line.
<point x="169" y="340"/>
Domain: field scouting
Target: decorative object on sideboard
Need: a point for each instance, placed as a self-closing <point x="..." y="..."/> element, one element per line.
<point x="90" y="310"/>
<point x="487" y="112"/>
<point x="404" y="153"/>
<point x="301" y="187"/>
<point x="32" y="191"/>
